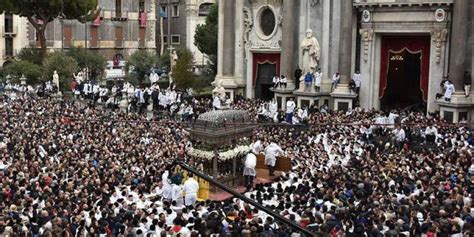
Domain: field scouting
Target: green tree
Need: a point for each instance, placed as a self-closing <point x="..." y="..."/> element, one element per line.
<point x="94" y="61"/>
<point x="182" y="75"/>
<point x="165" y="60"/>
<point x="17" y="69"/>
<point x="30" y="55"/>
<point x="41" y="12"/>
<point x="142" y="61"/>
<point x="64" y="65"/>
<point x="205" y="37"/>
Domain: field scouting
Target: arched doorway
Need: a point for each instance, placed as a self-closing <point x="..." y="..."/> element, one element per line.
<point x="404" y="72"/>
<point x="265" y="67"/>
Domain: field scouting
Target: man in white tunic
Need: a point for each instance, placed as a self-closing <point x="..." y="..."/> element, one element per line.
<point x="272" y="151"/>
<point x="191" y="189"/>
<point x="249" y="169"/>
<point x="166" y="186"/>
<point x="317" y="80"/>
<point x="290" y="108"/>
<point x="449" y="91"/>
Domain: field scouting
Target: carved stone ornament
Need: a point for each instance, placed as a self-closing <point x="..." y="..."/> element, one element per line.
<point x="366" y="36"/>
<point x="440" y="15"/>
<point x="365" y="16"/>
<point x="248" y="26"/>
<point x="191" y="10"/>
<point x="314" y="2"/>
<point x="439" y="37"/>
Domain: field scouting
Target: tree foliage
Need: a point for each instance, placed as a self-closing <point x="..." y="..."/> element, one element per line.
<point x="17" y="69"/>
<point x="40" y="12"/>
<point x="31" y="55"/>
<point x="142" y="61"/>
<point x="182" y="75"/>
<point x="94" y="61"/>
<point x="205" y="37"/>
<point x="64" y="65"/>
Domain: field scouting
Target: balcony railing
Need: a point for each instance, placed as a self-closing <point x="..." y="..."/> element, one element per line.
<point x="9" y="31"/>
<point x="120" y="15"/>
<point x="94" y="43"/>
<point x="119" y="43"/>
<point x="9" y="53"/>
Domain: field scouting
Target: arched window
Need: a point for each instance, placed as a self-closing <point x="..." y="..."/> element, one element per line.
<point x="205" y="8"/>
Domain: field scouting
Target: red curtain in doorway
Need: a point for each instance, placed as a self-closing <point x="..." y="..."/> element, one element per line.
<point x="262" y="58"/>
<point x="410" y="43"/>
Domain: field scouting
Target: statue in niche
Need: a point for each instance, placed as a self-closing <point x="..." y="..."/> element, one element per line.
<point x="310" y="53"/>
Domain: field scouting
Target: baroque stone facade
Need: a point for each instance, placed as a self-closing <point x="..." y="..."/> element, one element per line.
<point x="353" y="35"/>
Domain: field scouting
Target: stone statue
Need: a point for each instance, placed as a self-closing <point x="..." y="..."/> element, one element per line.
<point x="310" y="51"/>
<point x="248" y="25"/>
<point x="174" y="59"/>
<point x="56" y="79"/>
<point x="218" y="95"/>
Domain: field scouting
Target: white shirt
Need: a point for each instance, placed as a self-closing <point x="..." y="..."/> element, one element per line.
<point x="250" y="161"/>
<point x="431" y="131"/>
<point x="176" y="192"/>
<point x="357" y="79"/>
<point x="400" y="134"/>
<point x="166" y="186"/>
<point x="335" y="77"/>
<point x="290" y="106"/>
<point x="276" y="79"/>
<point x="191" y="186"/>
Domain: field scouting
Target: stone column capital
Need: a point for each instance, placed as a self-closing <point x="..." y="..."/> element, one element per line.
<point x="367" y="36"/>
<point x="439" y="37"/>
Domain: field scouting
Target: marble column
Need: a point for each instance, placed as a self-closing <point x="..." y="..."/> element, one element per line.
<point x="229" y="37"/>
<point x="345" y="43"/>
<point x="289" y="43"/>
<point x="457" y="64"/>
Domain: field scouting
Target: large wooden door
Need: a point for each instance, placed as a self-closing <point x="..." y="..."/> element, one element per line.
<point x="141" y="37"/>
<point x="118" y="37"/>
<point x="94" y="37"/>
<point x="265" y="74"/>
<point x="67" y="31"/>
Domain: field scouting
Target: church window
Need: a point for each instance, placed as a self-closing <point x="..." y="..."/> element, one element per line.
<point x="267" y="21"/>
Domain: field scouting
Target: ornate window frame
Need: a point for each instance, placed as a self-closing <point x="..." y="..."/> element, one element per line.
<point x="259" y="30"/>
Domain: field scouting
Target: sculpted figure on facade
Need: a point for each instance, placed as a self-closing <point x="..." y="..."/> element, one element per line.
<point x="310" y="53"/>
<point x="248" y="25"/>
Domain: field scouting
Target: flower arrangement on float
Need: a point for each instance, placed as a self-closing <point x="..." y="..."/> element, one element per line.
<point x="238" y="151"/>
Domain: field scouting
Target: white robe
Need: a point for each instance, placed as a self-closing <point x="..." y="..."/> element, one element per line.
<point x="317" y="78"/>
<point x="250" y="164"/>
<point x="449" y="91"/>
<point x="271" y="153"/>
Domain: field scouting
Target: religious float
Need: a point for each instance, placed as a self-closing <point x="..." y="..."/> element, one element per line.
<point x="221" y="141"/>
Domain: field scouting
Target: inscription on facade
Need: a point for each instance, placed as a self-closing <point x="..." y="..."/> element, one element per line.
<point x="265" y="44"/>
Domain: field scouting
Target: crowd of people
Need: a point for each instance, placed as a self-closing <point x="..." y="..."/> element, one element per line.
<point x="72" y="169"/>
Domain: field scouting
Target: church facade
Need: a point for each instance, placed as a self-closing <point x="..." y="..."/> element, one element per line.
<point x="403" y="49"/>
